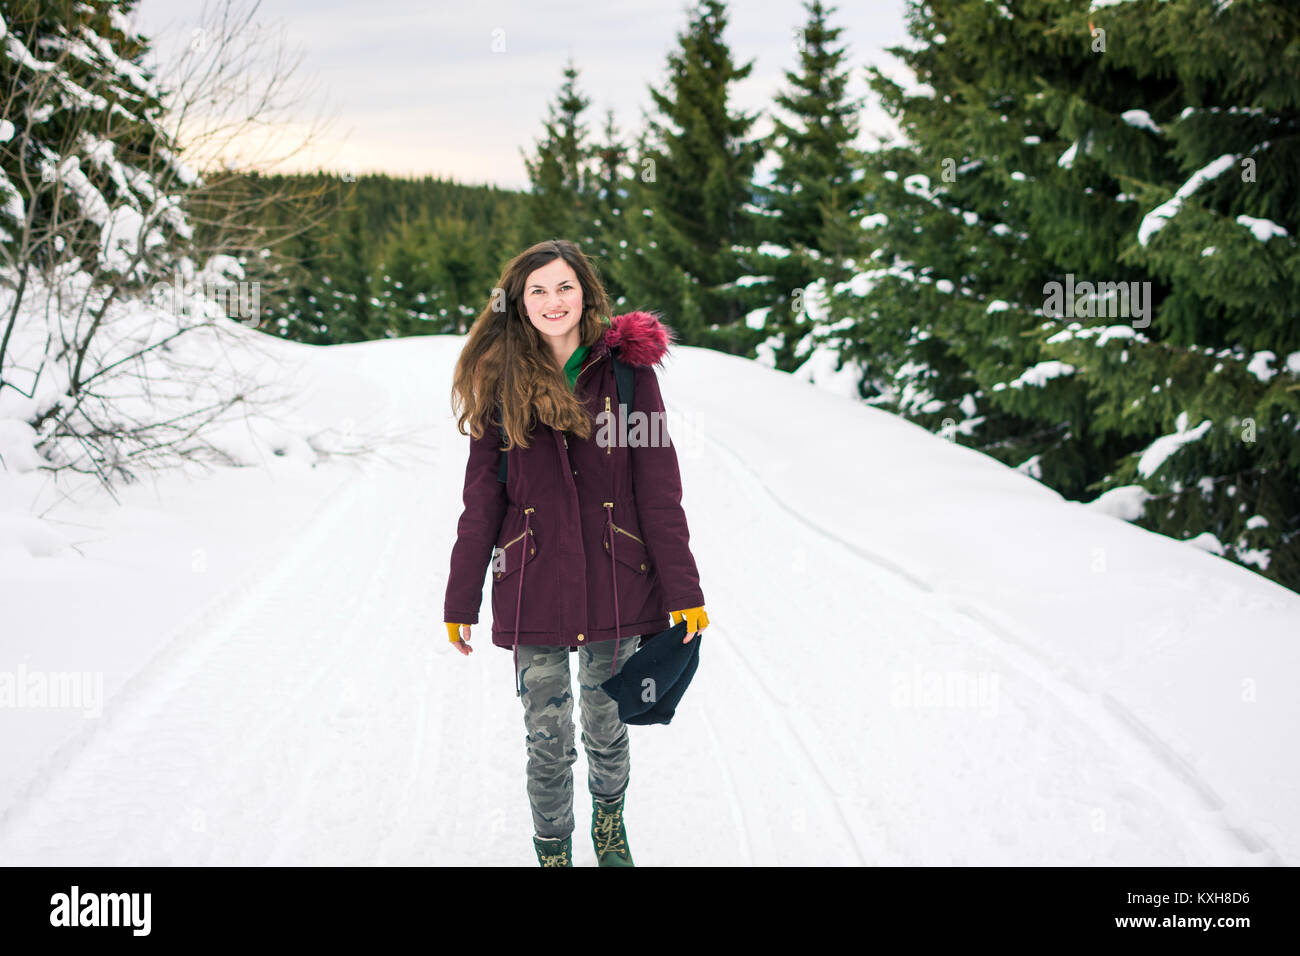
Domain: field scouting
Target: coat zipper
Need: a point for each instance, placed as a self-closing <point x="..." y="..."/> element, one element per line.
<point x="576" y="380"/>
<point x="609" y="449"/>
<point x="610" y="506"/>
<point x="628" y="533"/>
<point x="501" y="549"/>
<point x="513" y="540"/>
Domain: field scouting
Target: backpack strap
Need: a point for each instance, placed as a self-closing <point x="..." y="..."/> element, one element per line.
<point x="624" y="377"/>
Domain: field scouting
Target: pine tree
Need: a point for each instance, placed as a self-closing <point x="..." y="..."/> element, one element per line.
<point x="563" y="203"/>
<point x="813" y="205"/>
<point x="1211" y="386"/>
<point x="87" y="170"/>
<point x="696" y="186"/>
<point x="611" y="191"/>
<point x="354" y="285"/>
<point x="1066" y="272"/>
<point x="459" y="268"/>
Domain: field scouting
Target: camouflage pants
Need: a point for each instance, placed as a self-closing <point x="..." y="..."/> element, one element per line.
<point x="547" y="694"/>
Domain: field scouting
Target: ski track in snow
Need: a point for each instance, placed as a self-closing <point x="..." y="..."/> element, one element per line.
<point x="314" y="713"/>
<point x="1168" y="777"/>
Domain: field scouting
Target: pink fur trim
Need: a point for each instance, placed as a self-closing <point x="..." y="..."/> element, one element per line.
<point x="640" y="337"/>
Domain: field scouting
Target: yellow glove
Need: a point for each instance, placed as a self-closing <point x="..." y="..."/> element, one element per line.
<point x="696" y="619"/>
<point x="453" y="631"/>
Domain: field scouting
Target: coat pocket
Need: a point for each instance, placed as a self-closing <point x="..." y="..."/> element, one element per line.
<point x="512" y="554"/>
<point x="629" y="549"/>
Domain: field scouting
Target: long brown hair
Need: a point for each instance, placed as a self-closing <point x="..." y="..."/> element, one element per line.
<point x="505" y="359"/>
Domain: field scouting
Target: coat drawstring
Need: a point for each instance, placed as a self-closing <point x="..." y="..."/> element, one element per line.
<point x="613" y="571"/>
<point x="519" y="598"/>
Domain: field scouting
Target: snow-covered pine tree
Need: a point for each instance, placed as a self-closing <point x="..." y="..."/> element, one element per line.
<point x="611" y="191"/>
<point x="1057" y="145"/>
<point x="813" y="205"/>
<point x="1212" y="169"/>
<point x="965" y="240"/>
<point x="87" y="170"/>
<point x="650" y="280"/>
<point x="696" y="189"/>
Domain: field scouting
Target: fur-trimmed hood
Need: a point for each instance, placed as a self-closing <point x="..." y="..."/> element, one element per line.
<point x="639" y="338"/>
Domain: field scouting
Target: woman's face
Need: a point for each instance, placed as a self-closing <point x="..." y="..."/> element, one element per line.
<point x="551" y="291"/>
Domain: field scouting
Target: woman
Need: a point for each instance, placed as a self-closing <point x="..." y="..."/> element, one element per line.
<point x="587" y="538"/>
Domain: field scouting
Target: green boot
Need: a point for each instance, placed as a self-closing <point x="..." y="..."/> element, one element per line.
<point x="608" y="833"/>
<point x="557" y="851"/>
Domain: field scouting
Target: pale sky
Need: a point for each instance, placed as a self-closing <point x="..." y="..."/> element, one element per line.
<point x="457" y="89"/>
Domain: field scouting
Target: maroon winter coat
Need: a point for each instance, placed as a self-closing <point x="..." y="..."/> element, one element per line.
<point x="579" y="529"/>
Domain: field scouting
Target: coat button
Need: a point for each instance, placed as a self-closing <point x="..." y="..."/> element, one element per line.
<point x="579" y="637"/>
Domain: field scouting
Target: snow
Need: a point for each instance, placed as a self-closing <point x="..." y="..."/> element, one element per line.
<point x="1159" y="450"/>
<point x="1207" y="542"/>
<point x="918" y="184"/>
<point x="138" y="77"/>
<point x="1126" y="502"/>
<point x="1112" y="332"/>
<point x="1041" y="373"/>
<point x="988" y="675"/>
<point x="1067" y="158"/>
<point x="1262" y="229"/>
<point x="1258" y="365"/>
<point x="1155" y="220"/>
<point x="1141" y="119"/>
<point x="11" y="200"/>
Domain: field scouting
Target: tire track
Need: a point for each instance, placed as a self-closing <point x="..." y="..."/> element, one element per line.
<point x="777" y="712"/>
<point x="192" y="637"/>
<point x="1099" y="712"/>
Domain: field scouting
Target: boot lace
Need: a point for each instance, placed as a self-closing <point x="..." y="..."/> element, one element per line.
<point x="609" y="831"/>
<point x="558" y="858"/>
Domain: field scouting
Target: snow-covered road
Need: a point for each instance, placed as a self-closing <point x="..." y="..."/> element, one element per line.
<point x="857" y="703"/>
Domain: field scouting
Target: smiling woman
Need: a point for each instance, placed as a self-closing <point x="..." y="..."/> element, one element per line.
<point x="587" y="537"/>
<point x="553" y="297"/>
